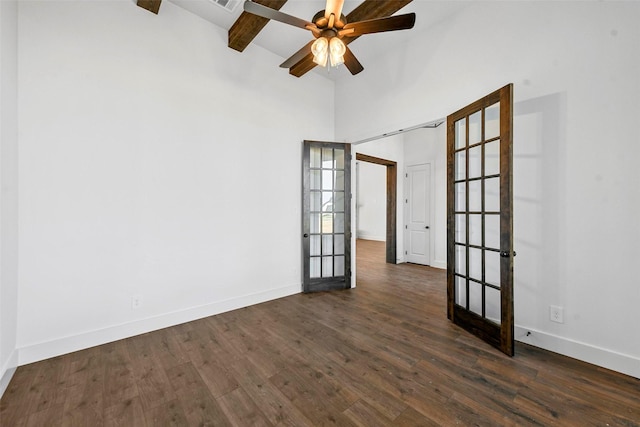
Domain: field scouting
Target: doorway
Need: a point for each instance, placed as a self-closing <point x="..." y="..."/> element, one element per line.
<point x="391" y="202"/>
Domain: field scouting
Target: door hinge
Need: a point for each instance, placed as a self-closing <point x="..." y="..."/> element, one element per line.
<point x="406" y="227"/>
<point x="406" y="200"/>
<point x="406" y="175"/>
<point x="405" y="252"/>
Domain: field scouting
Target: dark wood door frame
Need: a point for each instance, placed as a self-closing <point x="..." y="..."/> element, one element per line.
<point x="392" y="195"/>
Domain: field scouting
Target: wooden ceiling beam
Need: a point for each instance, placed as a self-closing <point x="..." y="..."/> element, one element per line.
<point x="368" y="9"/>
<point x="150" y="5"/>
<point x="248" y="25"/>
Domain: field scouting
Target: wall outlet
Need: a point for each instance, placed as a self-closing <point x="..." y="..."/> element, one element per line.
<point x="136" y="302"/>
<point x="556" y="314"/>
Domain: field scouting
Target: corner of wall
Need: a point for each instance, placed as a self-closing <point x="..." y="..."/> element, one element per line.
<point x="7" y="371"/>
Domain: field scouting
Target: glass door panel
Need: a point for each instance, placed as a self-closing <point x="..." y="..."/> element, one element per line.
<point x="326" y="216"/>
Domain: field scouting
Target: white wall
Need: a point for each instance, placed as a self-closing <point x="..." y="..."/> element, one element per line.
<point x="154" y="162"/>
<point x="372" y="201"/>
<point x="575" y="66"/>
<point x="427" y="145"/>
<point x="8" y="194"/>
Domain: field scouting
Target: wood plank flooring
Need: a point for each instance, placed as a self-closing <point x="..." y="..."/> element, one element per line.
<point x="379" y="355"/>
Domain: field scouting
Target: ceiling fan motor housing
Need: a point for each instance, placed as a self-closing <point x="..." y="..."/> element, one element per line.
<point x="322" y="22"/>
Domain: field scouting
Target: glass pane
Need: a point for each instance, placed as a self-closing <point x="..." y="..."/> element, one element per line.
<point x="315" y="157"/>
<point x="314" y="244"/>
<point x="327" y="266"/>
<point x="338" y="244"/>
<point x="339" y="181"/>
<point x="492" y="121"/>
<point x="475" y="297"/>
<point x="327" y="244"/>
<point x="492" y="268"/>
<point x="492" y="304"/>
<point x="315" y="180"/>
<point x="461" y="199"/>
<point x="492" y="158"/>
<point x="461" y="228"/>
<point x="492" y="194"/>
<point x="327" y="158"/>
<point x="461" y="291"/>
<point x="475" y="263"/>
<point x="475" y="128"/>
<point x="492" y="231"/>
<point x="338" y="202"/>
<point x="460" y="134"/>
<point x="327" y="180"/>
<point x="475" y="230"/>
<point x="461" y="260"/>
<point x="339" y="265"/>
<point x="339" y="156"/>
<point x="327" y="223"/>
<point x="314" y="219"/>
<point x="327" y="201"/>
<point x="314" y="267"/>
<point x="339" y="223"/>
<point x="475" y="162"/>
<point x="461" y="165"/>
<point x="315" y="201"/>
<point x="475" y="196"/>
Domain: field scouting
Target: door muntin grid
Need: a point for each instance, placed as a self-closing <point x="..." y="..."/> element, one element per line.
<point x="477" y="213"/>
<point x="327" y="212"/>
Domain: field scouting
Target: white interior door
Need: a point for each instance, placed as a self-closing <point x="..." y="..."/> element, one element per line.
<point x="417" y="214"/>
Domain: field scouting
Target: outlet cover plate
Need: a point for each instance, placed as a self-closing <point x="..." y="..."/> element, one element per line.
<point x="556" y="314"/>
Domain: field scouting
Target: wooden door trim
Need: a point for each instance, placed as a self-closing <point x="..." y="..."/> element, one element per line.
<point x="392" y="204"/>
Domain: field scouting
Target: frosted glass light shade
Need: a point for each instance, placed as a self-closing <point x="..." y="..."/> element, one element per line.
<point x="320" y="50"/>
<point x="337" y="50"/>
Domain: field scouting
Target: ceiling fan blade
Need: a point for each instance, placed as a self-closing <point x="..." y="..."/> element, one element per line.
<point x="335" y="7"/>
<point x="379" y="25"/>
<point x="299" y="55"/>
<point x="276" y="15"/>
<point x="370" y="9"/>
<point x="352" y="63"/>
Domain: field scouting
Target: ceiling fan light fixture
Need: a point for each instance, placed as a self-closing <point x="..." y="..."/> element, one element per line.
<point x="337" y="50"/>
<point x="320" y="50"/>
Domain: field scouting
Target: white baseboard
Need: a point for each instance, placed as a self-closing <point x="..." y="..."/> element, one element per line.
<point x="439" y="264"/>
<point x="57" y="347"/>
<point x="7" y="371"/>
<point x="605" y="358"/>
<point x="368" y="236"/>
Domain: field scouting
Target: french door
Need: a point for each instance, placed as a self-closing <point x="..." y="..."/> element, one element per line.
<point x="326" y="216"/>
<point x="480" y="220"/>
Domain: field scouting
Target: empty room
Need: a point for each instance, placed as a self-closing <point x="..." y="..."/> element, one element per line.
<point x="179" y="209"/>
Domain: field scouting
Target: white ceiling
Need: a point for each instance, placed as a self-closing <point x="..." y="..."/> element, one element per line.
<point x="284" y="40"/>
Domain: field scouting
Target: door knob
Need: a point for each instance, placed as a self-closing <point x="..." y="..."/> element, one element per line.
<point x="305" y="235"/>
<point x="427" y="227"/>
<point x="505" y="254"/>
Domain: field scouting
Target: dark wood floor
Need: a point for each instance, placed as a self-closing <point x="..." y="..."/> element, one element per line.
<point x="381" y="354"/>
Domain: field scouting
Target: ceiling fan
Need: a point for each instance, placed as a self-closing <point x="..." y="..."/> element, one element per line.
<point x="332" y="33"/>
